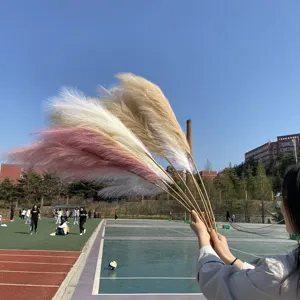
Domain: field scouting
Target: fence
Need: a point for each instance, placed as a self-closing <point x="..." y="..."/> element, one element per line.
<point x="245" y="211"/>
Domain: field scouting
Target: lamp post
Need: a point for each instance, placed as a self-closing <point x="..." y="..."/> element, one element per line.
<point x="295" y="150"/>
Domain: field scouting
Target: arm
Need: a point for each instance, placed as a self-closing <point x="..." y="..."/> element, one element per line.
<point x="222" y="277"/>
<point x="220" y="281"/>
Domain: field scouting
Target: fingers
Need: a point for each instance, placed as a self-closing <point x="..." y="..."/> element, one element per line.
<point x="214" y="235"/>
<point x="222" y="237"/>
<point x="195" y="217"/>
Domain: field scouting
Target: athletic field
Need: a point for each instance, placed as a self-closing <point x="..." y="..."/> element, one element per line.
<point x="156" y="259"/>
<point x="38" y="264"/>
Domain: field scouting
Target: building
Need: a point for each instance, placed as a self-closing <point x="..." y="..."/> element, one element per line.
<point x="182" y="174"/>
<point x="208" y="174"/>
<point x="15" y="172"/>
<point x="265" y="153"/>
<point x="269" y="151"/>
<point x="286" y="142"/>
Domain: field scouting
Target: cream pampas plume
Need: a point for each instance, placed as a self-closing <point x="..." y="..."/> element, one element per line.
<point x="73" y="109"/>
<point x="143" y="107"/>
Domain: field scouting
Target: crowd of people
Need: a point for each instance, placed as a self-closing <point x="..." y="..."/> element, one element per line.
<point x="58" y="213"/>
<point x="62" y="219"/>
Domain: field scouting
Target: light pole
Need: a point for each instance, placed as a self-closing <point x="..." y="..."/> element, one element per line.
<point x="295" y="150"/>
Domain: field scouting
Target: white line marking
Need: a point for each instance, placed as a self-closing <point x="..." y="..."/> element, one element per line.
<point x="269" y="254"/>
<point x="229" y="247"/>
<point x="31" y="262"/>
<point x="33" y="272"/>
<point x="31" y="285"/>
<point x="149" y="278"/>
<point x="35" y="250"/>
<point x="96" y="284"/>
<point x="244" y="252"/>
<point x="144" y="226"/>
<point x="178" y="231"/>
<point x="146" y="294"/>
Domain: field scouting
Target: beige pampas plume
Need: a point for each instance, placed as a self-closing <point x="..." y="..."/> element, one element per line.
<point x="144" y="109"/>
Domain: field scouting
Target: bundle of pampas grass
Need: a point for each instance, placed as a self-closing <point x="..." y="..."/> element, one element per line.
<point x="113" y="138"/>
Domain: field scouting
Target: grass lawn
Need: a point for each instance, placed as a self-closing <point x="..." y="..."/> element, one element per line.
<point x="16" y="236"/>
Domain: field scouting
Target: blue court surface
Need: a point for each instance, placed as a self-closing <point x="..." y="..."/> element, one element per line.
<point x="157" y="259"/>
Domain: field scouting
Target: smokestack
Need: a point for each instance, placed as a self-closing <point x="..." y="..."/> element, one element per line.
<point x="189" y="136"/>
<point x="189" y="139"/>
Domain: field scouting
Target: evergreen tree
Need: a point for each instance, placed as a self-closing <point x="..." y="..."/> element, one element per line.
<point x="8" y="191"/>
<point x="250" y="183"/>
<point x="277" y="182"/>
<point x="262" y="183"/>
<point x="31" y="186"/>
<point x="264" y="187"/>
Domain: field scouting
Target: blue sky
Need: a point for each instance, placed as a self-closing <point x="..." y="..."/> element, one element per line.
<point x="233" y="67"/>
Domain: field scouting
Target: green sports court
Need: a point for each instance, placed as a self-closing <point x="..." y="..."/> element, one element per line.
<point x="157" y="259"/>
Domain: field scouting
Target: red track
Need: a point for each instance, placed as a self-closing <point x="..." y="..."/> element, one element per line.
<point x="26" y="274"/>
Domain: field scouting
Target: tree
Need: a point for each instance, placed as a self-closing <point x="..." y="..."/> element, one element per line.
<point x="53" y="187"/>
<point x="8" y="191"/>
<point x="31" y="186"/>
<point x="84" y="189"/>
<point x="283" y="161"/>
<point x="277" y="182"/>
<point x="264" y="187"/>
<point x="250" y="183"/>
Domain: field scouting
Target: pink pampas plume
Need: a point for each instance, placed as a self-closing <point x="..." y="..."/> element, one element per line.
<point x="67" y="149"/>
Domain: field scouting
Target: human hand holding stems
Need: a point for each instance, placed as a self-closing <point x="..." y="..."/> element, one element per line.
<point x="212" y="238"/>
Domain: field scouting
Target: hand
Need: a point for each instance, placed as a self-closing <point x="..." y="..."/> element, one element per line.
<point x="200" y="230"/>
<point x="220" y="245"/>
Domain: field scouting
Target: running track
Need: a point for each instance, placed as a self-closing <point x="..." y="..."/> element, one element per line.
<point x="31" y="274"/>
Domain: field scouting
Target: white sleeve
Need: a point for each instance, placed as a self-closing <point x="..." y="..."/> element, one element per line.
<point x="219" y="281"/>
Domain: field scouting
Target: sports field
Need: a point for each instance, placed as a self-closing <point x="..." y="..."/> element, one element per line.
<point x="156" y="259"/>
<point x="38" y="264"/>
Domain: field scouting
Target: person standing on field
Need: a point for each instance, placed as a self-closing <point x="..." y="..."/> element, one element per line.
<point x="35" y="216"/>
<point x="82" y="220"/>
<point x="76" y="215"/>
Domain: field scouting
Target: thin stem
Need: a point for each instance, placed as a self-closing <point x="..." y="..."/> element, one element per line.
<point x="183" y="181"/>
<point x="182" y="203"/>
<point x="188" y="203"/>
<point x="211" y="210"/>
<point x="206" y="208"/>
<point x="169" y="186"/>
<point x="173" y="181"/>
<point x="198" y="207"/>
<point x="188" y="200"/>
